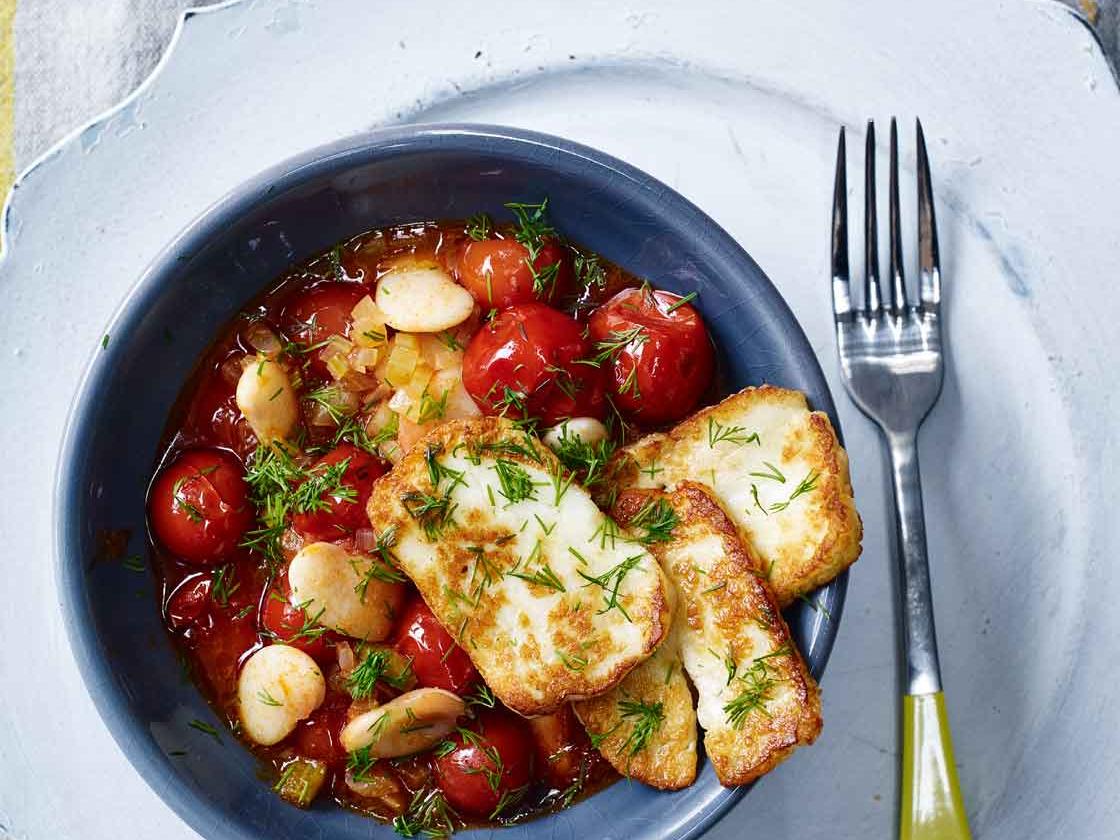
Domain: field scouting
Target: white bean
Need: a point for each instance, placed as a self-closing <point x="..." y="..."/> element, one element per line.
<point x="587" y="429"/>
<point x="407" y="724"/>
<point x="418" y="296"/>
<point x="278" y="687"/>
<point x="267" y="399"/>
<point x="344" y="591"/>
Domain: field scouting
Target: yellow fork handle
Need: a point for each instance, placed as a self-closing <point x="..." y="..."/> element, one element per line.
<point x="931" y="807"/>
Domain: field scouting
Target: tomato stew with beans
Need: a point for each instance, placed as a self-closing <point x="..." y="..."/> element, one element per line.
<point x="307" y="399"/>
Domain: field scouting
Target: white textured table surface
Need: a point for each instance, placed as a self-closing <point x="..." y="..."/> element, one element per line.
<point x="739" y="111"/>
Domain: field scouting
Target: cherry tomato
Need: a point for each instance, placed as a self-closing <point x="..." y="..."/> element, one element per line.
<point x="524" y="364"/>
<point x="493" y="759"/>
<point x="319" y="313"/>
<point x="188" y="606"/>
<point x="345" y="510"/>
<point x="318" y="736"/>
<point x="221" y="649"/>
<point x="215" y="417"/>
<point x="560" y="747"/>
<point x="437" y="661"/>
<point x="658" y="353"/>
<point x="199" y="506"/>
<point x="497" y="272"/>
<point x="290" y="624"/>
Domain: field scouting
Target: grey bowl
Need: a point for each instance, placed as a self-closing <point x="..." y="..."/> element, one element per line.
<point x="228" y="255"/>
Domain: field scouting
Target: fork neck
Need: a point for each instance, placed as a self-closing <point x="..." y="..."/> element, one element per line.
<point x="923" y="672"/>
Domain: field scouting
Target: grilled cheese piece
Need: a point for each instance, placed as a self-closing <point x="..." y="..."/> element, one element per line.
<point x="778" y="470"/>
<point x="756" y="700"/>
<point x="538" y="586"/>
<point x="646" y="725"/>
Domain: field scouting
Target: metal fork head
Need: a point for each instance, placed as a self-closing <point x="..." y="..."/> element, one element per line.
<point x="890" y="356"/>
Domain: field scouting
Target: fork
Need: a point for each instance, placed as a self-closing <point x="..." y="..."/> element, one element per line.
<point x="891" y="361"/>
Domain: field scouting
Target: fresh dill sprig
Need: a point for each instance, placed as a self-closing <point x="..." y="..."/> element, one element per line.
<point x="434" y="513"/>
<point x="757" y="683"/>
<point x="807" y="485"/>
<point x="516" y="484"/>
<point x="223" y="584"/>
<point x="657" y="519"/>
<point x="608" y="348"/>
<point x="376" y="666"/>
<point x="586" y="460"/>
<point x="610" y="582"/>
<point x="479" y="227"/>
<point x="719" y="433"/>
<point x="428" y="814"/>
<point x="645" y="719"/>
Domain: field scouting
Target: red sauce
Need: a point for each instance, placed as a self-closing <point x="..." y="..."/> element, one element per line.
<point x="221" y="608"/>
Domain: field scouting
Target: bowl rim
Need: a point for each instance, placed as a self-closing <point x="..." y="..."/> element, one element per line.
<point x="141" y="751"/>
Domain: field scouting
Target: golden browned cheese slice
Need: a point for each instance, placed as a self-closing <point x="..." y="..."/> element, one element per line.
<point x="646" y="725"/>
<point x="756" y="700"/>
<point x="535" y="582"/>
<point x="777" y="469"/>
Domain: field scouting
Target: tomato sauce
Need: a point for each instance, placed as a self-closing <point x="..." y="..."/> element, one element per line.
<point x="556" y="332"/>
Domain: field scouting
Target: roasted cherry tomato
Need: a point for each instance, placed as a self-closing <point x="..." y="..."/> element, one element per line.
<point x="199" y="506"/>
<point x="321" y="312"/>
<point x="214" y="415"/>
<point x="290" y="624"/>
<point x="657" y="351"/>
<point x="345" y="505"/>
<point x="498" y="272"/>
<point x="437" y="661"/>
<point x="560" y="746"/>
<point x="491" y="759"/>
<point x="221" y="648"/>
<point x="524" y="363"/>
<point x="189" y="605"/>
<point x="318" y="736"/>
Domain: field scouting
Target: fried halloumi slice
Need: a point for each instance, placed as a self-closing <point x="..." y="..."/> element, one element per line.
<point x="646" y="725"/>
<point x="756" y="700"/>
<point x="778" y="470"/>
<point x="539" y="587"/>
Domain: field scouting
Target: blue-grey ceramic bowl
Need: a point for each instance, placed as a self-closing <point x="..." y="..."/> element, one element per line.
<point x="202" y="279"/>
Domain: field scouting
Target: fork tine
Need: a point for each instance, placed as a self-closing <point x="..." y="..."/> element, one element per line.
<point x="841" y="295"/>
<point x="929" y="262"/>
<point x="871" y="293"/>
<point x="898" y="278"/>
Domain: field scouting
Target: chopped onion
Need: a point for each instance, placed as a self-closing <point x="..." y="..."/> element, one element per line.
<point x="436" y="353"/>
<point x="400" y="402"/>
<point x="338" y="366"/>
<point x="262" y="339"/>
<point x="365" y="540"/>
<point x="402" y="359"/>
<point x="356" y="383"/>
<point x="345" y="656"/>
<point x="232" y="368"/>
<point x="381" y="787"/>
<point x="367" y="310"/>
<point x="320" y="415"/>
<point x="364" y="358"/>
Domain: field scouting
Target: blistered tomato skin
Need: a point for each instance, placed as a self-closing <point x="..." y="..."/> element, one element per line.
<point x="497" y="273"/>
<point x="659" y="375"/>
<point x="322" y="311"/>
<point x="469" y="776"/>
<point x="437" y="661"/>
<point x="287" y="623"/>
<point x="525" y="363"/>
<point x="199" y="507"/>
<point x="344" y="512"/>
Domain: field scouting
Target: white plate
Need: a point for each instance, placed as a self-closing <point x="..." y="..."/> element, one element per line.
<point x="738" y="109"/>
